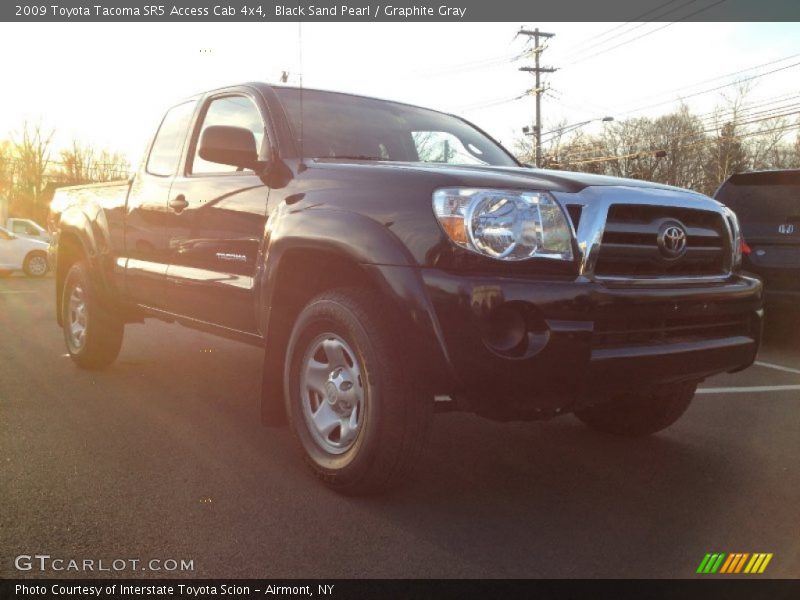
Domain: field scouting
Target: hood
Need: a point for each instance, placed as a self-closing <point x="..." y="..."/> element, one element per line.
<point x="503" y="177"/>
<point x="33" y="243"/>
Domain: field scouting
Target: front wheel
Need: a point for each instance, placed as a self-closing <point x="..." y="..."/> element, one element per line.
<point x="353" y="399"/>
<point x="637" y="414"/>
<point x="35" y="264"/>
<point x="92" y="329"/>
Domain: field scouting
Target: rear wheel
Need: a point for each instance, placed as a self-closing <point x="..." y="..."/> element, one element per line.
<point x="92" y="329"/>
<point x="639" y="414"/>
<point x="355" y="405"/>
<point x="35" y="264"/>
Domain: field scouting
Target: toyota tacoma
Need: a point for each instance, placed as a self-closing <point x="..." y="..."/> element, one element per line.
<point x="393" y="261"/>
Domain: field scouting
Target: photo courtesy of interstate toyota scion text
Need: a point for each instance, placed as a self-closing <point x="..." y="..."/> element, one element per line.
<point x="394" y="261"/>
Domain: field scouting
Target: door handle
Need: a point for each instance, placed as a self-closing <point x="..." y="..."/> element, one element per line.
<point x="178" y="203"/>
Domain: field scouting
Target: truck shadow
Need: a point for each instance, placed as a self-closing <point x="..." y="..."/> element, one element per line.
<point x="510" y="500"/>
<point x="553" y="499"/>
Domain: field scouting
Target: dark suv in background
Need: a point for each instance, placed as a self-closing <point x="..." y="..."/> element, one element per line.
<point x="768" y="206"/>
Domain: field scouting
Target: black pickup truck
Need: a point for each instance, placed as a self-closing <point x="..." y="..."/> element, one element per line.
<point x="393" y="261"/>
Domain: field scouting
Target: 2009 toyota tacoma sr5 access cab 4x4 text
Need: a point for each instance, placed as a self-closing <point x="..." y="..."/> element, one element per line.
<point x="392" y="259"/>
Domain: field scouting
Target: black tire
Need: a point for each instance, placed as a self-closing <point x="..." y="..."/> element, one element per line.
<point x="101" y="340"/>
<point x="396" y="408"/>
<point x="35" y="264"/>
<point x="640" y="414"/>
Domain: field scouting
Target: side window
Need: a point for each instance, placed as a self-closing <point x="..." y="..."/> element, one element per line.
<point x="166" y="151"/>
<point x="234" y="111"/>
<point x="444" y="147"/>
<point x="19" y="227"/>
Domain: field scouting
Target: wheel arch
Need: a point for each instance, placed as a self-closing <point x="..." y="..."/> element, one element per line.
<point x="300" y="267"/>
<point x="78" y="240"/>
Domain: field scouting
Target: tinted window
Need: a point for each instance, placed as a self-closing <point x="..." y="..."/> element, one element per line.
<point x="234" y="111"/>
<point x="166" y="151"/>
<point x="763" y="196"/>
<point x="344" y="126"/>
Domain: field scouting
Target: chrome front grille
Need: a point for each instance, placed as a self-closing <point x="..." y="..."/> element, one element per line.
<point x="630" y="245"/>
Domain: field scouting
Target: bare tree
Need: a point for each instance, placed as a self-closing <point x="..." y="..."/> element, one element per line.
<point x="110" y="166"/>
<point x="80" y="163"/>
<point x="76" y="163"/>
<point x="725" y="156"/>
<point x="6" y="178"/>
<point x="795" y="163"/>
<point x="767" y="147"/>
<point x="32" y="157"/>
<point x="6" y="168"/>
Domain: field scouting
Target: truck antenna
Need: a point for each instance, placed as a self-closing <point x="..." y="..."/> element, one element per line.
<point x="302" y="166"/>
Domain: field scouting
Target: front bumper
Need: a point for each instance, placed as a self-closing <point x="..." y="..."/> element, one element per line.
<point x="586" y="340"/>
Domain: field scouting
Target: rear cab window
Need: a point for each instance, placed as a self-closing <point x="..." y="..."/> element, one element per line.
<point x="168" y="144"/>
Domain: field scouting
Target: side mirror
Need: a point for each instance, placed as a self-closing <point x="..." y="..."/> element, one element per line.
<point x="235" y="146"/>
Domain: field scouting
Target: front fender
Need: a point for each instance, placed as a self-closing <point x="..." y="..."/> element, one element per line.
<point x="89" y="227"/>
<point x="378" y="252"/>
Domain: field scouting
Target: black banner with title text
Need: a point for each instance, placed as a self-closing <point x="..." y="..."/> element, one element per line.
<point x="419" y="589"/>
<point x="392" y="10"/>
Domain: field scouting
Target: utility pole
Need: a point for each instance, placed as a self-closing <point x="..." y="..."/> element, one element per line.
<point x="538" y="90"/>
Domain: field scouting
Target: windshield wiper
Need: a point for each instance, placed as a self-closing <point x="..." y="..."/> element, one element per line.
<point x="353" y="157"/>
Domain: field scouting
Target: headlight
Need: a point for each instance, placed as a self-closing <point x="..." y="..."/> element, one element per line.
<point x="736" y="237"/>
<point x="504" y="224"/>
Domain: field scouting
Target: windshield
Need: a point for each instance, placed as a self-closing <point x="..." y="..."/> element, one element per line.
<point x="344" y="126"/>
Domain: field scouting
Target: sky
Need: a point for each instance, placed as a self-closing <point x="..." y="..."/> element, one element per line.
<point x="107" y="84"/>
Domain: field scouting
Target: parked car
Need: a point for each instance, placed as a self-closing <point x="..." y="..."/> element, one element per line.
<point x="768" y="206"/>
<point x="28" y="229"/>
<point x="19" y="253"/>
<point x="394" y="260"/>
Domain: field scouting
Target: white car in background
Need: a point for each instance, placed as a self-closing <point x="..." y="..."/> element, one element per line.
<point x="19" y="253"/>
<point x="28" y="229"/>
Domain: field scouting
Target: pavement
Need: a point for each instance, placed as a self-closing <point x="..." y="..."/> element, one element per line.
<point x="163" y="457"/>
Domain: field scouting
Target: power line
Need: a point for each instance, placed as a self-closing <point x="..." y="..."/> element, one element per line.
<point x="782" y="129"/>
<point x="717" y="78"/>
<point x="584" y="51"/>
<point x="721" y="87"/>
<point x="635" y="19"/>
<point x="496" y="102"/>
<point x="626" y="42"/>
<point x="714" y="89"/>
<point x="476" y="65"/>
<point x="745" y="111"/>
<point x="794" y="110"/>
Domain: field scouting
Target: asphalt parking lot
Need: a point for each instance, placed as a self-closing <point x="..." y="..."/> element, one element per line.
<point x="163" y="457"/>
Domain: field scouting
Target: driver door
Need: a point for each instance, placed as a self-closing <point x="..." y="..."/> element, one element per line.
<point x="219" y="224"/>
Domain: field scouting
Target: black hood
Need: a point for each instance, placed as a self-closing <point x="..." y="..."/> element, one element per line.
<point x="513" y="177"/>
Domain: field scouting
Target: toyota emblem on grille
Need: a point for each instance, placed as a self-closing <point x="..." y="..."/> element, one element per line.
<point x="672" y="240"/>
